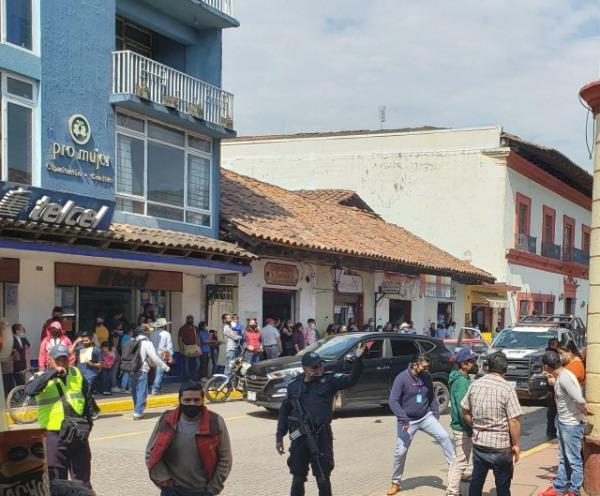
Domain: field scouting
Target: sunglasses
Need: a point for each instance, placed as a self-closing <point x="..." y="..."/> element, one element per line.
<point x="20" y="453"/>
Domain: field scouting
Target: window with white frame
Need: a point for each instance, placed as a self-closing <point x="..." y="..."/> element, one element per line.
<point x="162" y="171"/>
<point x="17" y="128"/>
<point x="18" y="23"/>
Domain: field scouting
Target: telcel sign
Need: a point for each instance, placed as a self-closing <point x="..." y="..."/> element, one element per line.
<point x="19" y="202"/>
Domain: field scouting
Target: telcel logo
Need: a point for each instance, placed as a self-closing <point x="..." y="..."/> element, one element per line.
<point x="68" y="214"/>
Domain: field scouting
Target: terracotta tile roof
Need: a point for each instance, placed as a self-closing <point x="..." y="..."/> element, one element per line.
<point x="254" y="209"/>
<point x="344" y="197"/>
<point x="126" y="237"/>
<point x="552" y="161"/>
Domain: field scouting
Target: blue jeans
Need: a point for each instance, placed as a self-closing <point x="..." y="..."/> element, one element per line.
<point x="431" y="426"/>
<point x="271" y="352"/>
<point x="139" y="391"/>
<point x="229" y="358"/>
<point x="250" y="356"/>
<point x="499" y="461"/>
<point x="190" y="368"/>
<point x="570" y="461"/>
<point x="125" y="380"/>
<point x="158" y="380"/>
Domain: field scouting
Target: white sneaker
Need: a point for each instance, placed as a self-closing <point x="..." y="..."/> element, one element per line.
<point x="137" y="416"/>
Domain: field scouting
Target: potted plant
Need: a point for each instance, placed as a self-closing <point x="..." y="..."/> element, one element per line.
<point x="196" y="109"/>
<point x="227" y="122"/>
<point x="170" y="101"/>
<point x="142" y="91"/>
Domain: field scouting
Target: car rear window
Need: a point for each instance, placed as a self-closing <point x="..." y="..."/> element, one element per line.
<point x="404" y="347"/>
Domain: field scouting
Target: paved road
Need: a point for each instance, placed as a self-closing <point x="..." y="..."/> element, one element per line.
<point x="364" y="443"/>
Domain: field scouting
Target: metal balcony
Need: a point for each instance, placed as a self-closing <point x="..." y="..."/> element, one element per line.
<point x="151" y="81"/>
<point x="551" y="250"/>
<point x="225" y="6"/>
<point x="524" y="242"/>
<point x="581" y="256"/>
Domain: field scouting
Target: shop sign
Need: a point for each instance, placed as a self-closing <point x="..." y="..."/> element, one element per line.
<point x="74" y="156"/>
<point x="97" y="276"/>
<point x="28" y="203"/>
<point x="350" y="284"/>
<point x="437" y="287"/>
<point x="281" y="274"/>
<point x="403" y="285"/>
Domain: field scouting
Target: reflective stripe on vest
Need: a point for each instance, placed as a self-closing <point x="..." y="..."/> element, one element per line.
<point x="50" y="408"/>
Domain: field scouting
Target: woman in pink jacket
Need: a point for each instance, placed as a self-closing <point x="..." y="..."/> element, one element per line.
<point x="55" y="338"/>
<point x="252" y="342"/>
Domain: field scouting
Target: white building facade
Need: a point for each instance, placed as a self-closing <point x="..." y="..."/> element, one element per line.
<point x="517" y="210"/>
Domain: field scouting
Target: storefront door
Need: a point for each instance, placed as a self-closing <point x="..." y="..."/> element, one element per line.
<point x="445" y="312"/>
<point x="109" y="302"/>
<point x="400" y="311"/>
<point x="278" y="304"/>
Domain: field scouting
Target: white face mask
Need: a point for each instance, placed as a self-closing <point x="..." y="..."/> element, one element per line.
<point x="234" y="323"/>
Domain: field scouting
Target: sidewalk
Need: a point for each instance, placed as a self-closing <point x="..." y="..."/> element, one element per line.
<point x="533" y="473"/>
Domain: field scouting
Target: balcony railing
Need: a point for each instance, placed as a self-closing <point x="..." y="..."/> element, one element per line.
<point x="581" y="256"/>
<point x="225" y="6"/>
<point x="551" y="250"/>
<point x="568" y="254"/>
<point x="134" y="74"/>
<point x="524" y="242"/>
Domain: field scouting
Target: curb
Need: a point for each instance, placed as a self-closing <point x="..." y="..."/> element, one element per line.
<point x="125" y="405"/>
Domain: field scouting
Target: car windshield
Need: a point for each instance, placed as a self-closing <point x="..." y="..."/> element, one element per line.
<point x="509" y="338"/>
<point x="331" y="347"/>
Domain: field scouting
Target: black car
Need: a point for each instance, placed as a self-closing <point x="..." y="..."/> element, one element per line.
<point x="388" y="354"/>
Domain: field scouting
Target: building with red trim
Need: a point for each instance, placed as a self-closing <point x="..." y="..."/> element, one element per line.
<point x="518" y="210"/>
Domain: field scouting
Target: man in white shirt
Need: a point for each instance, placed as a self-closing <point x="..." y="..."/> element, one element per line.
<point x="572" y="416"/>
<point x="139" y="379"/>
<point x="271" y="340"/>
<point x="163" y="344"/>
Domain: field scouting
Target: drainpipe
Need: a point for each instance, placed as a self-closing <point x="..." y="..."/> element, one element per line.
<point x="591" y="94"/>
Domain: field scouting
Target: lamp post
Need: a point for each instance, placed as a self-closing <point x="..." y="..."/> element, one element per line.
<point x="337" y="271"/>
<point x="591" y="94"/>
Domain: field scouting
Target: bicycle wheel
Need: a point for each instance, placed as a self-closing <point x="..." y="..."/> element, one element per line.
<point x="218" y="389"/>
<point x="21" y="408"/>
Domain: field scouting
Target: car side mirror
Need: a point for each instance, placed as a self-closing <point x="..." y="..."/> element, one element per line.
<point x="350" y="356"/>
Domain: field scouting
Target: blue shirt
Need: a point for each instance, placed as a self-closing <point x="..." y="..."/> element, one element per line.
<point x="203" y="337"/>
<point x="412" y="397"/>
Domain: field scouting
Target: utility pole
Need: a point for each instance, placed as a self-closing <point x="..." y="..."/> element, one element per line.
<point x="382" y="110"/>
<point x="591" y="94"/>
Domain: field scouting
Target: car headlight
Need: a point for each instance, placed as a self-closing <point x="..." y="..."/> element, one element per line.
<point x="537" y="368"/>
<point x="282" y="374"/>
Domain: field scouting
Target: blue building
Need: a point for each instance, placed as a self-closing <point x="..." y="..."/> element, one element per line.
<point x="112" y="117"/>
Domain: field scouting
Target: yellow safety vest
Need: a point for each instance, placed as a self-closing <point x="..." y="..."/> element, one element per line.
<point x="50" y="408"/>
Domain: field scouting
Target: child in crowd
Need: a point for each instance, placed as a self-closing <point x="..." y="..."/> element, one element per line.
<point x="110" y="357"/>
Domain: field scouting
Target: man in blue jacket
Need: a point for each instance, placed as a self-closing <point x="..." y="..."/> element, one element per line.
<point x="413" y="402"/>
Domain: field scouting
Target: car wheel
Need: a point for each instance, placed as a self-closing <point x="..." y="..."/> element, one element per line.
<point x="440" y="390"/>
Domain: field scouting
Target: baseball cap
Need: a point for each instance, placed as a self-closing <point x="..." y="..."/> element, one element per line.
<point x="55" y="325"/>
<point x="311" y="360"/>
<point x="464" y="355"/>
<point x="60" y="350"/>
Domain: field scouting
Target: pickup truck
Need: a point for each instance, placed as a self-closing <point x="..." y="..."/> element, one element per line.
<point x="525" y="344"/>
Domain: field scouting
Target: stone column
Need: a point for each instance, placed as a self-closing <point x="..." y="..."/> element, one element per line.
<point x="591" y="94"/>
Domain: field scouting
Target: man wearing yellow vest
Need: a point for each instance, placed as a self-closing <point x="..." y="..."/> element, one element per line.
<point x="64" y="410"/>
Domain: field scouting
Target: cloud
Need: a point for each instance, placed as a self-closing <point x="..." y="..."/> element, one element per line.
<point x="321" y="65"/>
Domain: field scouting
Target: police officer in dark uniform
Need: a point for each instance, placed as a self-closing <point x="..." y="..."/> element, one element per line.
<point x="310" y="396"/>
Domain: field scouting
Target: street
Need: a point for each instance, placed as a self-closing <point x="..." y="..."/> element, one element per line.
<point x="364" y="445"/>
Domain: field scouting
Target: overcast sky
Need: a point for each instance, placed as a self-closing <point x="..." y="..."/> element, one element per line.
<point x="318" y="65"/>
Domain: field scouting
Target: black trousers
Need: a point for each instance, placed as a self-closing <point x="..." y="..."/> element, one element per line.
<point x="299" y="461"/>
<point x="203" y="369"/>
<point x="499" y="461"/>
<point x="73" y="459"/>
<point x="551" y="416"/>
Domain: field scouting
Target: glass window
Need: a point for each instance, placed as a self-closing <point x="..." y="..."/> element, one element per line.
<point x="166" y="134"/>
<point x="165" y="174"/>
<point x="19" y="23"/>
<point x="523" y="308"/>
<point x="549" y="307"/>
<point x="19" y="88"/>
<point x="170" y="180"/>
<point x="130" y="122"/>
<point x="523" y="218"/>
<point x="374" y="348"/>
<point x="19" y="143"/>
<point x="198" y="182"/>
<point x="199" y="144"/>
<point x="538" y="307"/>
<point x="130" y="173"/>
<point x="404" y="347"/>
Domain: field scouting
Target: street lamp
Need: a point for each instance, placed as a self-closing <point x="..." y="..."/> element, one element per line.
<point x="337" y="271"/>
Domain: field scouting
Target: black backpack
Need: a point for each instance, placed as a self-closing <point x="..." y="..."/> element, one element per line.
<point x="131" y="358"/>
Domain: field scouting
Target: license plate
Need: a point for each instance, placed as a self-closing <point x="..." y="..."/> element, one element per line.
<point x="251" y="396"/>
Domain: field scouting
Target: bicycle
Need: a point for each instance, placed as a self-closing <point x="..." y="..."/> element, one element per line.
<point x="220" y="386"/>
<point x="21" y="407"/>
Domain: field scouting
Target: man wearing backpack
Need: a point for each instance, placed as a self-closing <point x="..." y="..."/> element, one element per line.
<point x="138" y="356"/>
